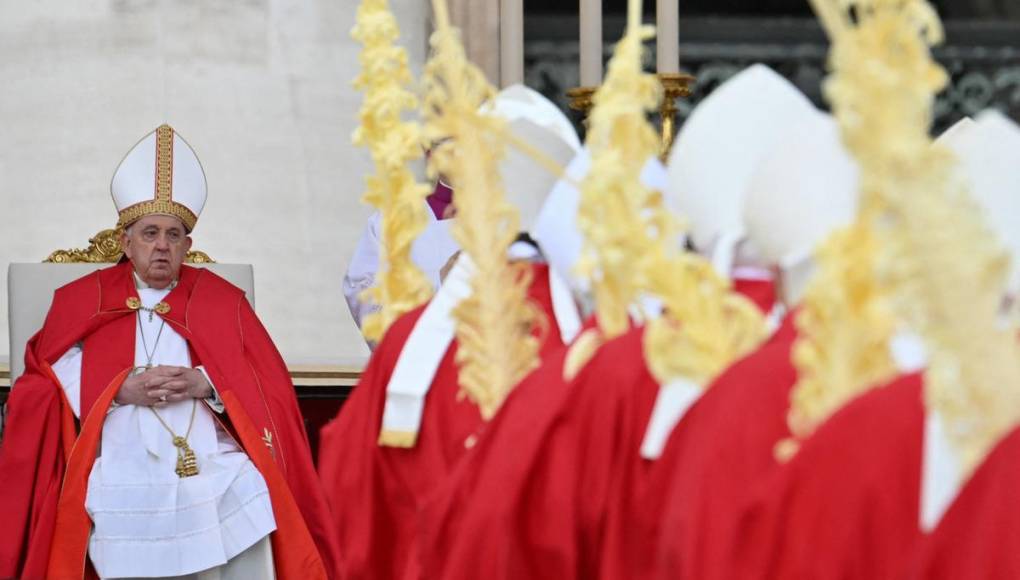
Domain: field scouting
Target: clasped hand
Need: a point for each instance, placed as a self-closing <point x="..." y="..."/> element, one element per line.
<point x="164" y="384"/>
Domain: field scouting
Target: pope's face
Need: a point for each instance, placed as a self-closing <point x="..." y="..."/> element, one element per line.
<point x="156" y="246"/>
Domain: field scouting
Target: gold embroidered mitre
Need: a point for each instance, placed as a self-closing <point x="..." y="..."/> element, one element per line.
<point x="161" y="175"/>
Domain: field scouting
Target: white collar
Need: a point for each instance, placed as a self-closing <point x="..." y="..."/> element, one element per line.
<point x="941" y="473"/>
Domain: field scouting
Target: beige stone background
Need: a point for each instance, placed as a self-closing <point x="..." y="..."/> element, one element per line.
<point x="260" y="88"/>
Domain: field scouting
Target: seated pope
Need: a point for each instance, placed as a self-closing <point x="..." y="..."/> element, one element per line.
<point x="155" y="432"/>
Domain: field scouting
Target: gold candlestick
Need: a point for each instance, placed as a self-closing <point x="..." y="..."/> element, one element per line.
<point x="674" y="86"/>
<point x="581" y="99"/>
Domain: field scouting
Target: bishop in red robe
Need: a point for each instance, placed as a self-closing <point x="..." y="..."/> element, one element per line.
<point x="375" y="491"/>
<point x="101" y="415"/>
<point x="551" y="488"/>
<point x="848" y="504"/>
<point x="408" y="424"/>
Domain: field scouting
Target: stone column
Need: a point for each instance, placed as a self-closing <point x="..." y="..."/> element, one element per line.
<point x="479" y="26"/>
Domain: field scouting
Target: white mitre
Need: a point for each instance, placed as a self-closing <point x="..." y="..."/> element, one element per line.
<point x="538" y="123"/>
<point x="956" y="131"/>
<point x="988" y="161"/>
<point x="556" y="229"/>
<point x="988" y="152"/>
<point x="803" y="190"/>
<point x="161" y="175"/>
<point x="719" y="147"/>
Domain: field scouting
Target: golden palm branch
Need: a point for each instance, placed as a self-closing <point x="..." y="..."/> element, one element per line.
<point x="941" y="264"/>
<point x="621" y="141"/>
<point x="393" y="143"/>
<point x="496" y="345"/>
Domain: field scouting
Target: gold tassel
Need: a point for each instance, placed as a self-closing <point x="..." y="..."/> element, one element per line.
<point x="187" y="464"/>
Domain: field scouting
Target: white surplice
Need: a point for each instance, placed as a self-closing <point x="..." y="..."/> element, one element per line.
<point x="430" y="252"/>
<point x="147" y="521"/>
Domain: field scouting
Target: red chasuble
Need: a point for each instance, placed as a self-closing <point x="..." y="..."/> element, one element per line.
<point x="45" y="460"/>
<point x="724" y="442"/>
<point x="760" y="291"/>
<point x="552" y="488"/>
<point x="375" y="492"/>
<point x="847" y="505"/>
<point x="978" y="538"/>
<point x="529" y="500"/>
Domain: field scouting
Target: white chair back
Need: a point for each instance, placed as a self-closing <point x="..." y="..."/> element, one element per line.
<point x="30" y="290"/>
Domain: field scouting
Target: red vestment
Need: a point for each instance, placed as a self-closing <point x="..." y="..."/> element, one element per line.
<point x="375" y="492"/>
<point x="551" y="490"/>
<point x="45" y="461"/>
<point x="724" y="442"/>
<point x="528" y="501"/>
<point x="847" y="505"/>
<point x="762" y="292"/>
<point x="978" y="537"/>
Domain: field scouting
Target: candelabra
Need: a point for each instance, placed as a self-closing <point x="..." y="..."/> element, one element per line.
<point x="674" y="86"/>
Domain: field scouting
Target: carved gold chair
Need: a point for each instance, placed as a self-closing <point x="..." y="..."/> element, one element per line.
<point x="30" y="286"/>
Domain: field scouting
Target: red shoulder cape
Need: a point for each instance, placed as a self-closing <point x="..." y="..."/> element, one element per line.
<point x="725" y="441"/>
<point x="761" y="292"/>
<point x="846" y="506"/>
<point x="44" y="463"/>
<point x="374" y="491"/>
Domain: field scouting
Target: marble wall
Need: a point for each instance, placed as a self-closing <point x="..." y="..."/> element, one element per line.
<point x="261" y="90"/>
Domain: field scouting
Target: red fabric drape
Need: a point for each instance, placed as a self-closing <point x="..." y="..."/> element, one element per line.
<point x="376" y="492"/>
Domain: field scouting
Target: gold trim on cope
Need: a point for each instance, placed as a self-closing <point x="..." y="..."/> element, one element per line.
<point x="133" y="303"/>
<point x="267" y="438"/>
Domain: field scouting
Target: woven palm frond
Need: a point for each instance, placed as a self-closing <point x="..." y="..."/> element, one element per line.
<point x="494" y="326"/>
<point x="393" y="143"/>
<point x="942" y="266"/>
<point x="621" y="141"/>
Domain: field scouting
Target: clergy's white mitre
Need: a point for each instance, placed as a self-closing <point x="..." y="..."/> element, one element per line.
<point x="161" y="175"/>
<point x="957" y="131"/>
<point x="805" y="188"/>
<point x="539" y="123"/>
<point x="721" y="143"/>
<point x="520" y="102"/>
<point x="556" y="229"/>
<point x="988" y="152"/>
